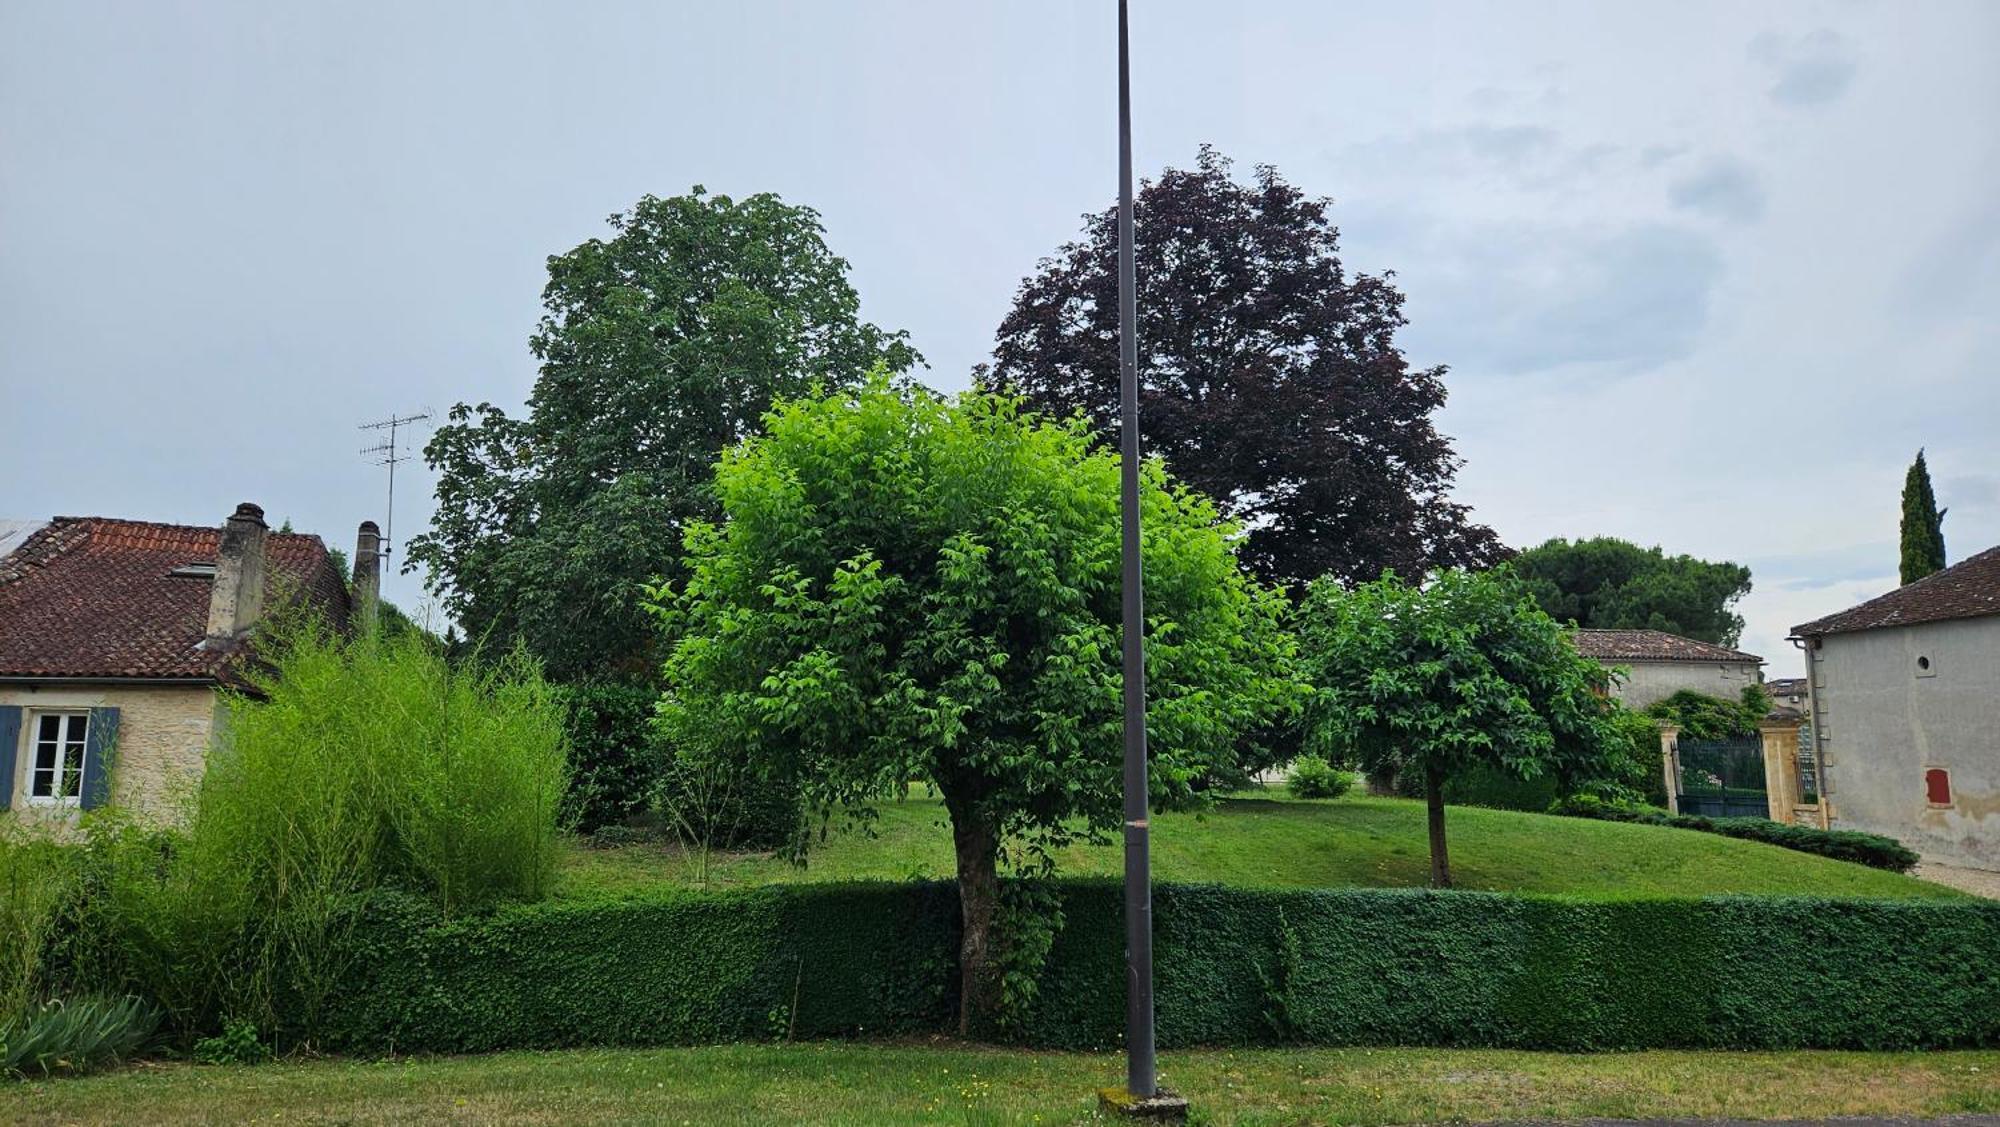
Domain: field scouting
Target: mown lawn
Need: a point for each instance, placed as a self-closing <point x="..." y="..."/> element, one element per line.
<point x="906" y="1084"/>
<point x="1272" y="840"/>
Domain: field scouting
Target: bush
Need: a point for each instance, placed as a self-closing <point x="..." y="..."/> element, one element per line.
<point x="238" y="1043"/>
<point x="614" y="760"/>
<point x="76" y="1035"/>
<point x="1341" y="967"/>
<point x="38" y="884"/>
<point x="1873" y="850"/>
<point x="1313" y="777"/>
<point x="369" y="764"/>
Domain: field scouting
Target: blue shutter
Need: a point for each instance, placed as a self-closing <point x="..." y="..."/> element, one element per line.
<point x="10" y="745"/>
<point x="100" y="744"/>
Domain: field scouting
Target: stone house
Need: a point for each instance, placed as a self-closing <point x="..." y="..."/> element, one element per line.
<point x="1659" y="664"/>
<point x="118" y="637"/>
<point x="1903" y="700"/>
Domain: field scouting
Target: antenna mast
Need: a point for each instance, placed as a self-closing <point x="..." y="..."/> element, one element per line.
<point x="389" y="452"/>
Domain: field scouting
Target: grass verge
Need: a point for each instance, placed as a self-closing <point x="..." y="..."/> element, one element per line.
<point x="912" y="1084"/>
<point x="1276" y="841"/>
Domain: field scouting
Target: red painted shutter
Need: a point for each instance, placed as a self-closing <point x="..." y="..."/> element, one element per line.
<point x="1937" y="786"/>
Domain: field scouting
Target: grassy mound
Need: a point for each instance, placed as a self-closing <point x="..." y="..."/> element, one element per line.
<point x="1270" y="840"/>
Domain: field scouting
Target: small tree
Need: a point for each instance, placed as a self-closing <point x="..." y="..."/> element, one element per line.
<point x="1435" y="679"/>
<point x="907" y="587"/>
<point x="1923" y="524"/>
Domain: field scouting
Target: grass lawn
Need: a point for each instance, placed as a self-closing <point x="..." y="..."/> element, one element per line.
<point x="1273" y="840"/>
<point x="906" y="1084"/>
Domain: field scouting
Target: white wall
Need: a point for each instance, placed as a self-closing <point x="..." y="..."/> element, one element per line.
<point x="1650" y="681"/>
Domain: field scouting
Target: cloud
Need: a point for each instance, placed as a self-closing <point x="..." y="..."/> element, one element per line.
<point x="1970" y="491"/>
<point x="1531" y="299"/>
<point x="1811" y="70"/>
<point x="1725" y="189"/>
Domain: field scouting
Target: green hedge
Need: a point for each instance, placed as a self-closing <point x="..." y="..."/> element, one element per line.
<point x="1873" y="850"/>
<point x="1234" y="967"/>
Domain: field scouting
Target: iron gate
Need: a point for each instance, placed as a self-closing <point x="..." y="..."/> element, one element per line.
<point x="1723" y="778"/>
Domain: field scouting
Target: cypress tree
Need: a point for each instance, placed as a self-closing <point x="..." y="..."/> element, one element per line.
<point x="1923" y="524"/>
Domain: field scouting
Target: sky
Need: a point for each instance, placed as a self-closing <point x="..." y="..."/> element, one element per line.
<point x="1705" y="275"/>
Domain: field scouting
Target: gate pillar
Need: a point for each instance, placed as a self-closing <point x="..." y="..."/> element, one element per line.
<point x="1670" y="766"/>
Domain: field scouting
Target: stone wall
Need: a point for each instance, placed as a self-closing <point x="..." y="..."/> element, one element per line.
<point x="163" y="733"/>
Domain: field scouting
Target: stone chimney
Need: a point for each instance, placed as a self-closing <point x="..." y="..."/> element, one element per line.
<point x="367" y="574"/>
<point x="237" y="600"/>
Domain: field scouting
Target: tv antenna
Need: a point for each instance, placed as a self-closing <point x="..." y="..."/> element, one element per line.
<point x="388" y="452"/>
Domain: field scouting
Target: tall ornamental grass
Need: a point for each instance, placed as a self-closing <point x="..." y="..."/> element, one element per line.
<point x="356" y="765"/>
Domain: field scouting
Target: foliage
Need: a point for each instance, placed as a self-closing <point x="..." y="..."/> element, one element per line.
<point x="658" y="347"/>
<point x="1923" y="525"/>
<point x="908" y="587"/>
<point x="75" y="1035"/>
<point x="614" y="760"/>
<point x="1607" y="583"/>
<point x="1313" y="777"/>
<point x="39" y="881"/>
<point x="1270" y="376"/>
<point x="1703" y="717"/>
<point x="1435" y="680"/>
<point x="1873" y="850"/>
<point x="238" y="1043"/>
<point x="359" y="765"/>
<point x="1369" y="967"/>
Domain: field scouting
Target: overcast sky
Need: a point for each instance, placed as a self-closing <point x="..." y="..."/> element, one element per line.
<point x="1706" y="275"/>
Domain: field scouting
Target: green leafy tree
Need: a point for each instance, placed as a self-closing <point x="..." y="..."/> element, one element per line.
<point x="1437" y="680"/>
<point x="659" y="346"/>
<point x="905" y="587"/>
<point x="1923" y="524"/>
<point x="1607" y="583"/>
<point x="1700" y="716"/>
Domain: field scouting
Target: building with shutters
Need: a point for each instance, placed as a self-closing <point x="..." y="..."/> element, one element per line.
<point x="1658" y="664"/>
<point x="1903" y="702"/>
<point x="118" y="637"/>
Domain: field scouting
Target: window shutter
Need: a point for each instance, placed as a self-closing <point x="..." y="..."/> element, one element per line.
<point x="10" y="746"/>
<point x="100" y="744"/>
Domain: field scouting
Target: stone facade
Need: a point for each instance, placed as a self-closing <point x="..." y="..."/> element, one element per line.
<point x="163" y="734"/>
<point x="1651" y="681"/>
<point x="1895" y="704"/>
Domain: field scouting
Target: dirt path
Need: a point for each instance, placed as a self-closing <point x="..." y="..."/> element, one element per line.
<point x="1979" y="882"/>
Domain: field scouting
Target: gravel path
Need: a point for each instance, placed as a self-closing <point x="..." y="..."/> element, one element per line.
<point x="1979" y="882"/>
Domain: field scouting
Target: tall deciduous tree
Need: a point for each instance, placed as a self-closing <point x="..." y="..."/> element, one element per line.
<point x="906" y="587"/>
<point x="1270" y="376"/>
<point x="659" y="346"/>
<point x="1607" y="583"/>
<point x="1434" y="680"/>
<point x="1923" y="524"/>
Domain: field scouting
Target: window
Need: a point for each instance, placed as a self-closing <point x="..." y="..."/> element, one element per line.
<point x="55" y="762"/>
<point x="1924" y="666"/>
<point x="1937" y="786"/>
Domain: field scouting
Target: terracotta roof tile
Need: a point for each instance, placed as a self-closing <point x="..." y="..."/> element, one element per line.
<point x="1653" y="645"/>
<point x="1969" y="588"/>
<point x="93" y="597"/>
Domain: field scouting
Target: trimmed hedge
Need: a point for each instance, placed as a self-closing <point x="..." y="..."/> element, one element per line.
<point x="1234" y="967"/>
<point x="1873" y="850"/>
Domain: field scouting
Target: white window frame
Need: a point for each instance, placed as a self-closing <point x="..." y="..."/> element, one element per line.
<point x="77" y="718"/>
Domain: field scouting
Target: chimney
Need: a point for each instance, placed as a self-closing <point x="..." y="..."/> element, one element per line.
<point x="237" y="600"/>
<point x="367" y="574"/>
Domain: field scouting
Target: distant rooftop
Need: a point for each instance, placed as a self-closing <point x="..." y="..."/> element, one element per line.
<point x="1653" y="645"/>
<point x="1969" y="588"/>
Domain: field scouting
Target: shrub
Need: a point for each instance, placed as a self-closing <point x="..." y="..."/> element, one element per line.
<point x="1313" y="777"/>
<point x="366" y="764"/>
<point x="614" y="760"/>
<point x="75" y="1035"/>
<point x="38" y="880"/>
<point x="238" y="1043"/>
<point x="1873" y="850"/>
<point x="1234" y="967"/>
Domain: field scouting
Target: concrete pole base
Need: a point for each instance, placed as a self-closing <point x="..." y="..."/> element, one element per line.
<point x="1161" y="1107"/>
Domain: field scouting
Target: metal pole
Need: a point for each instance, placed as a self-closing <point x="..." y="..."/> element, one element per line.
<point x="1139" y="1064"/>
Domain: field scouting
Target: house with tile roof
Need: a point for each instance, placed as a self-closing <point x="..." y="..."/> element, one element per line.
<point x="1658" y="664"/>
<point x="118" y="637"/>
<point x="1903" y="699"/>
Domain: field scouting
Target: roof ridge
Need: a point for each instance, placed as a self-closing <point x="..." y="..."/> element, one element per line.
<point x="1894" y="606"/>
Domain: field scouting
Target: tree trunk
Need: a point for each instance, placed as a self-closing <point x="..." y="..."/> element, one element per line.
<point x="1434" y="800"/>
<point x="977" y="844"/>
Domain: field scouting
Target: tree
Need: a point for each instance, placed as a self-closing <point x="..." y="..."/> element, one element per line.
<point x="1702" y="717"/>
<point x="658" y="347"/>
<point x="1464" y="672"/>
<point x="905" y="587"/>
<point x="1923" y="524"/>
<point x="1607" y="583"/>
<point x="1269" y="377"/>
